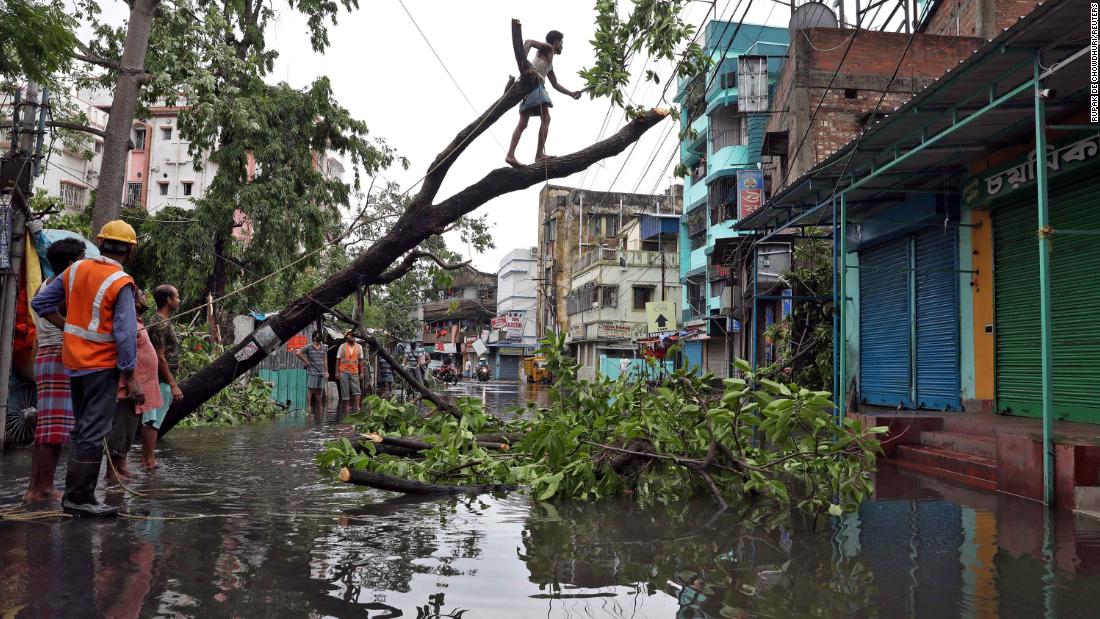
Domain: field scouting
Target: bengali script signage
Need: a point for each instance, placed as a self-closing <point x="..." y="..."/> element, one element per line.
<point x="993" y="185"/>
<point x="750" y="192"/>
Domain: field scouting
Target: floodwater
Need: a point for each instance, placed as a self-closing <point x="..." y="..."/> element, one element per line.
<point x="273" y="536"/>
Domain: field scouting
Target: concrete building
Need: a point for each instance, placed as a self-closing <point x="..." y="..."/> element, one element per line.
<point x="514" y="335"/>
<point x="722" y="139"/>
<point x="577" y="221"/>
<point x="610" y="287"/>
<point x="459" y="315"/>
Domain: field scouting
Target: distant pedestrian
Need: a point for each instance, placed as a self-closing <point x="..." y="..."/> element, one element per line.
<point x="55" y="402"/>
<point x="162" y="334"/>
<point x="98" y="347"/>
<point x="385" y="378"/>
<point x="349" y="370"/>
<point x="315" y="357"/>
<point x="467" y="369"/>
<point x="128" y="413"/>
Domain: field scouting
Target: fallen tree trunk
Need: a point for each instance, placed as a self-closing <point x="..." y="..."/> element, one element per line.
<point x="408" y="486"/>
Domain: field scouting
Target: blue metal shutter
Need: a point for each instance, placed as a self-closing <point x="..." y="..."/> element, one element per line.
<point x="938" y="381"/>
<point x="884" y="341"/>
<point x="693" y="356"/>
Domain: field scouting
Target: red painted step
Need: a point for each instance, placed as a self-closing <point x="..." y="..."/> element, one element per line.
<point x="984" y="446"/>
<point x="970" y="469"/>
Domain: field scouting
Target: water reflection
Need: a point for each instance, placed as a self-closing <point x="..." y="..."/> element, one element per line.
<point x="279" y="539"/>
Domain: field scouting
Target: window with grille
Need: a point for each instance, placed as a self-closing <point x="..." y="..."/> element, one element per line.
<point x="133" y="193"/>
<point x="166" y="133"/>
<point x="187" y="189"/>
<point x="609" y="296"/>
<point x="72" y="196"/>
<point x="727" y="128"/>
<point x="163" y="188"/>
<point x="139" y="138"/>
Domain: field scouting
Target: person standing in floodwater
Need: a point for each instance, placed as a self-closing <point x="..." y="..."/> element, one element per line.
<point x="315" y="357"/>
<point x="349" y="359"/>
<point x="98" y="347"/>
<point x="163" y="336"/>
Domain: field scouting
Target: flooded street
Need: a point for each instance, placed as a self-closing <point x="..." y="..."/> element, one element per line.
<point x="240" y="522"/>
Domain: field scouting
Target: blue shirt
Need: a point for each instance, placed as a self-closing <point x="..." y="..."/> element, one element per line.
<point x="124" y="326"/>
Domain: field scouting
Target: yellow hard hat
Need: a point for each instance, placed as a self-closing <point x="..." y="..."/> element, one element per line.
<point x="118" y="230"/>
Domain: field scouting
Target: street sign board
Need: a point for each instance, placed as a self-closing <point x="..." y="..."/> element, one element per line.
<point x="660" y="316"/>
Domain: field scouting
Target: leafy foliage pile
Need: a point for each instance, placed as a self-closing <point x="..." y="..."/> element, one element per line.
<point x="244" y="401"/>
<point x="748" y="437"/>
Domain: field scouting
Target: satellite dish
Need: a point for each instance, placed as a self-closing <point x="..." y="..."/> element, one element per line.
<point x="813" y="15"/>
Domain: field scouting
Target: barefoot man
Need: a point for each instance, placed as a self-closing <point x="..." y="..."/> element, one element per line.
<point x="538" y="101"/>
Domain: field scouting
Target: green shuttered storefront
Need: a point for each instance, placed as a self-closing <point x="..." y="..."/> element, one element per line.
<point x="1075" y="300"/>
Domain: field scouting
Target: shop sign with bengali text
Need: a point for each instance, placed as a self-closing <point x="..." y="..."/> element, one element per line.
<point x="988" y="186"/>
<point x="750" y="192"/>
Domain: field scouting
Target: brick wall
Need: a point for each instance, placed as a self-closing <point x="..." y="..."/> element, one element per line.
<point x="976" y="18"/>
<point x="864" y="74"/>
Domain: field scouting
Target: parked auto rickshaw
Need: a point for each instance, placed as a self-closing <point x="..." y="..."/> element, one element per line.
<point x="534" y="368"/>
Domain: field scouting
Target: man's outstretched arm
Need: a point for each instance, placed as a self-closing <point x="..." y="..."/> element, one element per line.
<point x="562" y="89"/>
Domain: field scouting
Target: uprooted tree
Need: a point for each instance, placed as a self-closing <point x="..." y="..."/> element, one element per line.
<point x="654" y="26"/>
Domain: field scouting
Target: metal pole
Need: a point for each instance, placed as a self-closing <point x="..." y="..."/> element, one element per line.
<point x="40" y="138"/>
<point x="1045" y="232"/>
<point x="662" y="270"/>
<point x="754" y="292"/>
<point x="836" y="338"/>
<point x="842" y="299"/>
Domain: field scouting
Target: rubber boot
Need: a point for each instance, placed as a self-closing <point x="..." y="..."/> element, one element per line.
<point x="80" y="482"/>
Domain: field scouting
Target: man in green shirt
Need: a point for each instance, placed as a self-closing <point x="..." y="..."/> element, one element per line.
<point x="167" y="345"/>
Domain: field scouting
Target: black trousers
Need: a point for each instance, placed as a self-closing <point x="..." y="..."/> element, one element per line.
<point x="122" y="434"/>
<point x="94" y="402"/>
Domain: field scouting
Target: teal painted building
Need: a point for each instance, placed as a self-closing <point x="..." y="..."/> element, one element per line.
<point x="718" y="139"/>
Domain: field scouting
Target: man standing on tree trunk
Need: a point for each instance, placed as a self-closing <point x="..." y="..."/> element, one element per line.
<point x="538" y="101"/>
<point x="99" y="345"/>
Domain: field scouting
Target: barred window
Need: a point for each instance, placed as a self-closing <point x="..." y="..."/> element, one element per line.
<point x="72" y="196"/>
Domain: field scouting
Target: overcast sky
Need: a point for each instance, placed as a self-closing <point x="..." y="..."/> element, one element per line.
<point x="383" y="71"/>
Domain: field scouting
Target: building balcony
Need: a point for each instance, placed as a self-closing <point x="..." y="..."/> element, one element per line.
<point x="727" y="160"/>
<point x="695" y="194"/>
<point x="611" y="256"/>
<point x="459" y="309"/>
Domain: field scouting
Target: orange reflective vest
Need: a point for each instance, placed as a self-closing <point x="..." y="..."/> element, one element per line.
<point x="91" y="287"/>
<point x="348" y="359"/>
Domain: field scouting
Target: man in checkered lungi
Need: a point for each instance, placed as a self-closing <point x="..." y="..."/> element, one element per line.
<point x="55" y="403"/>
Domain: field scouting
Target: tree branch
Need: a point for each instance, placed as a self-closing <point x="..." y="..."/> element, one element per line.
<point x="410" y="260"/>
<point x="514" y="92"/>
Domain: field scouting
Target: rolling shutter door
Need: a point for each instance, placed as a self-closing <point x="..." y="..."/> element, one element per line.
<point x="508" y="367"/>
<point x="693" y="356"/>
<point x="1075" y="298"/>
<point x="716" y="358"/>
<point x="937" y="285"/>
<point x="884" y="359"/>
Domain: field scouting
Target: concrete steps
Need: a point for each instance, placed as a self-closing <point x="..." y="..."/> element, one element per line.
<point x="975" y="470"/>
<point x="984" y="446"/>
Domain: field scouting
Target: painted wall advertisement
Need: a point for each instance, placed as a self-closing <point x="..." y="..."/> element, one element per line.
<point x="750" y="192"/>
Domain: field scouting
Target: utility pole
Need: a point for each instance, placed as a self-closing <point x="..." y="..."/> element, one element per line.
<point x="662" y="269"/>
<point x="16" y="174"/>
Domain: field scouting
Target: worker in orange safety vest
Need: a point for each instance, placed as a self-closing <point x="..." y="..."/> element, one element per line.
<point x="349" y="372"/>
<point x="98" y="348"/>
